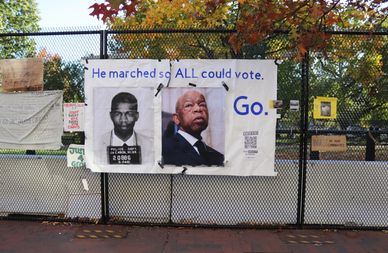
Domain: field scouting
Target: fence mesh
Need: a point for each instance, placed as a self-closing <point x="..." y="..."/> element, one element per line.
<point x="341" y="188"/>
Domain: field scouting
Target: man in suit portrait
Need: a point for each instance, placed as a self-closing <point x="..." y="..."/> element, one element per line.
<point x="182" y="143"/>
<point x="123" y="145"/>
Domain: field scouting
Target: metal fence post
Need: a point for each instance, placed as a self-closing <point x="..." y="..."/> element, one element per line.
<point x="104" y="176"/>
<point x="370" y="151"/>
<point x="303" y="141"/>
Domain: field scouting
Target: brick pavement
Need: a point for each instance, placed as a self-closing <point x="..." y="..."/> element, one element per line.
<point x="42" y="237"/>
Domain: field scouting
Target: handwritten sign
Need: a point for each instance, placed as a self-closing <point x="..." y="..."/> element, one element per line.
<point x="21" y="74"/>
<point x="328" y="143"/>
<point x="76" y="156"/>
<point x="73" y="117"/>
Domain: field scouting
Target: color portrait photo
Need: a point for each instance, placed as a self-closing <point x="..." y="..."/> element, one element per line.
<point x="193" y="126"/>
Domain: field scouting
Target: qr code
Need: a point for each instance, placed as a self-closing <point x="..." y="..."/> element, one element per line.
<point x="250" y="141"/>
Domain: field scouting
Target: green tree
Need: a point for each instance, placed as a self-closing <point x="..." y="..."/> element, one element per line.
<point x="353" y="69"/>
<point x="18" y="17"/>
<point x="176" y="14"/>
<point x="255" y="20"/>
<point x="66" y="76"/>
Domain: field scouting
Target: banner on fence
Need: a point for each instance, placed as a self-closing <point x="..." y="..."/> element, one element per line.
<point x="209" y="117"/>
<point x="75" y="156"/>
<point x="31" y="120"/>
<point x="73" y="117"/>
<point x="21" y="74"/>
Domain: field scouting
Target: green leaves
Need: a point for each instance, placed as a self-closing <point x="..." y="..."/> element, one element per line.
<point x="18" y="16"/>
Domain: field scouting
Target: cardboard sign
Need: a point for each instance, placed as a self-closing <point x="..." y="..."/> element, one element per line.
<point x="328" y="143"/>
<point x="76" y="156"/>
<point x="73" y="117"/>
<point x="21" y="74"/>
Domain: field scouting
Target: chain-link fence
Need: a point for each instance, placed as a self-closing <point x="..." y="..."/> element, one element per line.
<point x="343" y="189"/>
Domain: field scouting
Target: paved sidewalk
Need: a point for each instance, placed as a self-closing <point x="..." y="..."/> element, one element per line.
<point x="42" y="237"/>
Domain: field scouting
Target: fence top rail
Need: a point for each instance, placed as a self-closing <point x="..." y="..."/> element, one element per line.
<point x="171" y="30"/>
<point x="51" y="33"/>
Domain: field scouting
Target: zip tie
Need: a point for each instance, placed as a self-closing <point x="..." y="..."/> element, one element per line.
<point x="278" y="62"/>
<point x="193" y="84"/>
<point x="160" y="87"/>
<point x="225" y="86"/>
<point x="160" y="164"/>
<point x="169" y="79"/>
<point x="184" y="171"/>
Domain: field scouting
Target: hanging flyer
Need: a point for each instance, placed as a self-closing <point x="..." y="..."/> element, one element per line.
<point x="73" y="117"/>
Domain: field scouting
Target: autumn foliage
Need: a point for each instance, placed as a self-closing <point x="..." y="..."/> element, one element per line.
<point x="304" y="21"/>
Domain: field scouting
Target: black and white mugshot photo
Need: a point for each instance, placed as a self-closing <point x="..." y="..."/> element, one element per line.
<point x="123" y="126"/>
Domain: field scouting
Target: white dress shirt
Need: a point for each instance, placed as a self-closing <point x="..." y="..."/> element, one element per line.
<point x="116" y="141"/>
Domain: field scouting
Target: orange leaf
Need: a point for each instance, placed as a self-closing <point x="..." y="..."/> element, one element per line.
<point x="233" y="41"/>
<point x="316" y="11"/>
<point x="302" y="50"/>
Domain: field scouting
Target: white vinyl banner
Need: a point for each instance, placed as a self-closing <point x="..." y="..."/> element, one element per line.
<point x="202" y="117"/>
<point x="31" y="120"/>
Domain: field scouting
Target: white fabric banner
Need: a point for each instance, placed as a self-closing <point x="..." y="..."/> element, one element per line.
<point x="210" y="117"/>
<point x="31" y="120"/>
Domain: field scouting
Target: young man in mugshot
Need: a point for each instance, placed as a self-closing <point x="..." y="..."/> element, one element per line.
<point x="123" y="145"/>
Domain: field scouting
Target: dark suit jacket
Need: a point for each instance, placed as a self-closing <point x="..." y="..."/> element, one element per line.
<point x="178" y="151"/>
